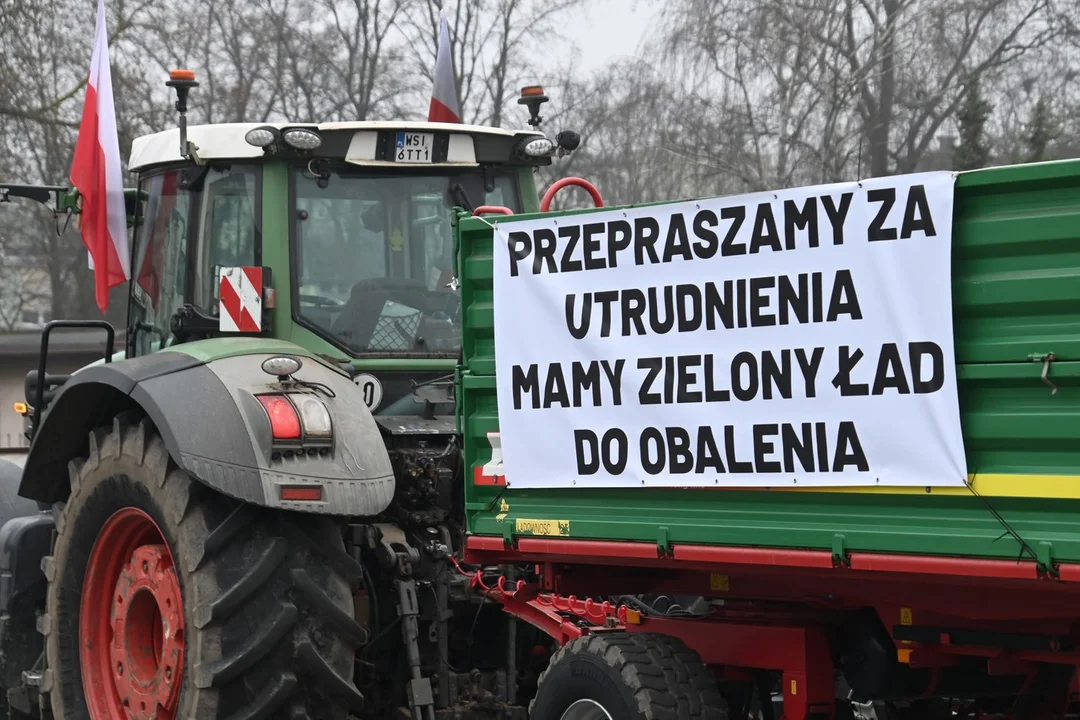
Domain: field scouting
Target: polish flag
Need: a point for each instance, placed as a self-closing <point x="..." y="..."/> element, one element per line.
<point x="96" y="173"/>
<point x="444" y="102"/>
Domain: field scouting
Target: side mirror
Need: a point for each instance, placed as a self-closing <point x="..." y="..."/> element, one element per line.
<point x="568" y="141"/>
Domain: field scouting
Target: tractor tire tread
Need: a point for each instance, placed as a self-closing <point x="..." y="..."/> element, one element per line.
<point x="667" y="679"/>
<point x="276" y="615"/>
<point x="271" y="700"/>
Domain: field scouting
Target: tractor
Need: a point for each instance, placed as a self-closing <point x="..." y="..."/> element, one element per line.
<point x="253" y="508"/>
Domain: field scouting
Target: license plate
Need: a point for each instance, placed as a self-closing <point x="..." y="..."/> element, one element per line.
<point x="414" y="147"/>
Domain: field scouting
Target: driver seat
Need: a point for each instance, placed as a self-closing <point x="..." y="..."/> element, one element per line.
<point x="357" y="321"/>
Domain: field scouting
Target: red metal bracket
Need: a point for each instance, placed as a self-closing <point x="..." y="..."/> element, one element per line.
<point x="545" y="202"/>
<point x="543" y="611"/>
<point x="492" y="209"/>
<point x="525" y="605"/>
<point x="801" y="653"/>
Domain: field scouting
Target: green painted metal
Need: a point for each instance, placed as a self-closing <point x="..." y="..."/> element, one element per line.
<point x="223" y="347"/>
<point x="1016" y="288"/>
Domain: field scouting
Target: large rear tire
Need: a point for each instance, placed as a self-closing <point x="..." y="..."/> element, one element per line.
<point x="264" y="627"/>
<point x="627" y="676"/>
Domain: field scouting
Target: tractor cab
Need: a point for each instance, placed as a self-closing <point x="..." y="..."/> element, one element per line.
<point x="302" y="282"/>
<point x="335" y="236"/>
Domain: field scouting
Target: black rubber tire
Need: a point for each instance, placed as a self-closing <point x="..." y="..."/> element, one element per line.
<point x="268" y="608"/>
<point x="634" y="676"/>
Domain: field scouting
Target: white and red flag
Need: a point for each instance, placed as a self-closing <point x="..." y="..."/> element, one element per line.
<point x="96" y="173"/>
<point x="444" y="101"/>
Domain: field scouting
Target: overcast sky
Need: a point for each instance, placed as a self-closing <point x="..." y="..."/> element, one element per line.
<point x="609" y="30"/>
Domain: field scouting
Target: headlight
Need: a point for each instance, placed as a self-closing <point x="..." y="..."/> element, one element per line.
<point x="281" y="365"/>
<point x="302" y="139"/>
<point x="539" y="147"/>
<point x="261" y="136"/>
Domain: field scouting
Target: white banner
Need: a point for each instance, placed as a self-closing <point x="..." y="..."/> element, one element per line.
<point x="787" y="339"/>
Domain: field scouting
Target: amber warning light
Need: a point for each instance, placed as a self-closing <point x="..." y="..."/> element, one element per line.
<point x="22" y="408"/>
<point x="532" y="97"/>
<point x="188" y="75"/>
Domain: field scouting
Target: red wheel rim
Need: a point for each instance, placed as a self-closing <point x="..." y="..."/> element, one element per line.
<point x="131" y="622"/>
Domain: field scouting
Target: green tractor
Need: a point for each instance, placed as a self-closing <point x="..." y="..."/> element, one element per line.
<point x="251" y="510"/>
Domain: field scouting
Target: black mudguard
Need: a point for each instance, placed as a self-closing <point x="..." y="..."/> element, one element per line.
<point x="214" y="428"/>
<point x="11" y="505"/>
<point x="25" y="538"/>
<point x="24" y="541"/>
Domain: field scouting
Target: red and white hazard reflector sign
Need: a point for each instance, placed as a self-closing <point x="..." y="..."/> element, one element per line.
<point x="240" y="299"/>
<point x="491" y="473"/>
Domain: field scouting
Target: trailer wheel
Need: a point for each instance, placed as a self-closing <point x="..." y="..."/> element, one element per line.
<point x="627" y="676"/>
<point x="168" y="600"/>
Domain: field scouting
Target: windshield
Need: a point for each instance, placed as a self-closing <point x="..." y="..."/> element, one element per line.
<point x="374" y="258"/>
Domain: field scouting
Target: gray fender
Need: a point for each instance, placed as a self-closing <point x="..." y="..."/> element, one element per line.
<point x="215" y="429"/>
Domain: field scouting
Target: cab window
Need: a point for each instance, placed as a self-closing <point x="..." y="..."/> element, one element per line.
<point x="160" y="251"/>
<point x="213" y="221"/>
<point x="374" y="259"/>
<point x="228" y="226"/>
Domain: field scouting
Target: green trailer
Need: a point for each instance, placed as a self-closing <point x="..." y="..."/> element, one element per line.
<point x="897" y="593"/>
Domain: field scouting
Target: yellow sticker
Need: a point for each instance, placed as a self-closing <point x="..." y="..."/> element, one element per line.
<point x="718" y="582"/>
<point x="397" y="241"/>
<point x="504" y="507"/>
<point x="905" y="619"/>
<point x="546" y="528"/>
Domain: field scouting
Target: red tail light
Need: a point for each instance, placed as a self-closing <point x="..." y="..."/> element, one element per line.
<point x="284" y="422"/>
<point x="302" y="493"/>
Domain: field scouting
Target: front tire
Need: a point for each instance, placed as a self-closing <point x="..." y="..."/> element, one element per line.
<point x="264" y="627"/>
<point x="627" y="676"/>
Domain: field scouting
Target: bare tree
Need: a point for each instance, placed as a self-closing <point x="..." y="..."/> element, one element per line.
<point x="798" y="89"/>
<point x="761" y="105"/>
<point x="257" y="60"/>
<point x="493" y="42"/>
<point x="42" y="75"/>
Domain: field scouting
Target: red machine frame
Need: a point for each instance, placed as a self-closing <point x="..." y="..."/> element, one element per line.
<point x="778" y="605"/>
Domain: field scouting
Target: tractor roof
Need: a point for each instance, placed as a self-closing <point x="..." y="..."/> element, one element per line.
<point x="360" y="143"/>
